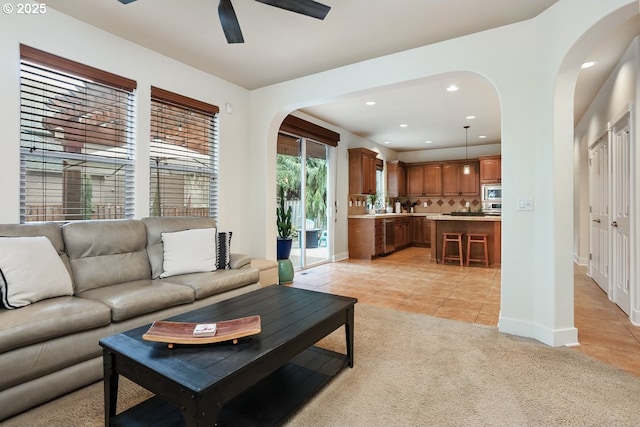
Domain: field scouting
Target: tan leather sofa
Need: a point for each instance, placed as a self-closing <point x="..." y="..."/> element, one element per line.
<point x="50" y="347"/>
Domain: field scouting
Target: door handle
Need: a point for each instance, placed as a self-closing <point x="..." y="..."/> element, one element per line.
<point x="597" y="220"/>
<point x="614" y="223"/>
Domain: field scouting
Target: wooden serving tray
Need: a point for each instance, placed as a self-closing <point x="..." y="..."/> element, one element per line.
<point x="182" y="332"/>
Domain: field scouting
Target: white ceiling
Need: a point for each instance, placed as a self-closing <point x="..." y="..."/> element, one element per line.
<point x="280" y="45"/>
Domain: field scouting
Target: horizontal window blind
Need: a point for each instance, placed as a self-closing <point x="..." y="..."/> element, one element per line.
<point x="76" y="140"/>
<point x="183" y="156"/>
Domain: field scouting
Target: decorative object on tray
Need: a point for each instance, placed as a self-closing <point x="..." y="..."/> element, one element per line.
<point x="203" y="333"/>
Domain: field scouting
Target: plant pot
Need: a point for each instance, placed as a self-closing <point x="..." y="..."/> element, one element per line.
<point x="283" y="250"/>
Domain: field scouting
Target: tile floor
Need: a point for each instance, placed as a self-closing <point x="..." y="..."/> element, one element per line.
<point x="407" y="280"/>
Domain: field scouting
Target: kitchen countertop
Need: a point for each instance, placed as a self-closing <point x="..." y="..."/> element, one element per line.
<point x="432" y="216"/>
<point x="441" y="217"/>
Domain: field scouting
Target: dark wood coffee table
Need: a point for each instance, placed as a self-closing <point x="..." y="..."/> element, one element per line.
<point x="260" y="380"/>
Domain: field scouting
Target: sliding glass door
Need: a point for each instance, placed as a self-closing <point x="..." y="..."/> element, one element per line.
<point x="303" y="167"/>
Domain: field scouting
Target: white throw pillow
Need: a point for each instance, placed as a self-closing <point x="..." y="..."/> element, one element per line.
<point x="189" y="251"/>
<point x="31" y="270"/>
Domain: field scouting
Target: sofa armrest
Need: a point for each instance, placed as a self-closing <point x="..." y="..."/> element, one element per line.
<point x="239" y="260"/>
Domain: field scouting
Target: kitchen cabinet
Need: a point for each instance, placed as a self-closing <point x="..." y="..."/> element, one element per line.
<point x="396" y="179"/>
<point x="362" y="171"/>
<point x="420" y="231"/>
<point x="456" y="183"/>
<point x="366" y="238"/>
<point x="432" y="180"/>
<point x="415" y="180"/>
<point x="490" y="170"/>
<point x="401" y="232"/>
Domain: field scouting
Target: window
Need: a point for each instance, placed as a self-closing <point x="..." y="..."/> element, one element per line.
<point x="76" y="148"/>
<point x="183" y="156"/>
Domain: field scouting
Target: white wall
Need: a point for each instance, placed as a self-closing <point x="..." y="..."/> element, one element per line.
<point x="533" y="66"/>
<point x="86" y="44"/>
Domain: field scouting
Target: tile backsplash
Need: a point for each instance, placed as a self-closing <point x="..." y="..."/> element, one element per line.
<point x="357" y="204"/>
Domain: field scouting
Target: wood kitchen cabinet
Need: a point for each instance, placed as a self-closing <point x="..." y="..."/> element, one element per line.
<point x="396" y="179"/>
<point x="362" y="171"/>
<point x="401" y="233"/>
<point x="432" y="180"/>
<point x="490" y="170"/>
<point x="366" y="238"/>
<point x="424" y="179"/>
<point x="421" y="231"/>
<point x="415" y="180"/>
<point x="456" y="183"/>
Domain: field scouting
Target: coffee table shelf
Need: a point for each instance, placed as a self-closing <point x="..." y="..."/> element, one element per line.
<point x="268" y="403"/>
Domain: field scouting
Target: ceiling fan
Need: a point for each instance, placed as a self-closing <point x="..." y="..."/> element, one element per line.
<point x="231" y="26"/>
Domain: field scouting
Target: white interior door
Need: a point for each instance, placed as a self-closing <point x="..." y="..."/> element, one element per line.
<point x="599" y="205"/>
<point x="620" y="215"/>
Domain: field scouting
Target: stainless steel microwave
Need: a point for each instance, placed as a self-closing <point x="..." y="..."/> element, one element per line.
<point x="491" y="193"/>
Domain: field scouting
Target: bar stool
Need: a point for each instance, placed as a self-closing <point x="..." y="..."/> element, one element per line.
<point x="478" y="238"/>
<point x="453" y="238"/>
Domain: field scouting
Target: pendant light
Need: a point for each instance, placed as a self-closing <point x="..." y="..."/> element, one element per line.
<point x="466" y="168"/>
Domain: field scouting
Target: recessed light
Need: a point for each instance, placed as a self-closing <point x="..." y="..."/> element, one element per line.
<point x="482" y="136"/>
<point x="470" y="117"/>
<point x="588" y="64"/>
<point x="370" y="103"/>
<point x="387" y="142"/>
<point x="452" y="88"/>
<point x="404" y="125"/>
<point x="428" y="142"/>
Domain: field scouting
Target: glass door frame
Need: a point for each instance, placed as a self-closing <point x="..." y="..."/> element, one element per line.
<point x="330" y="202"/>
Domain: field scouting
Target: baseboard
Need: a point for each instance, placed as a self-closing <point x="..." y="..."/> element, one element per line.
<point x="340" y="257"/>
<point x="635" y="317"/>
<point x="555" y="338"/>
<point x="581" y="261"/>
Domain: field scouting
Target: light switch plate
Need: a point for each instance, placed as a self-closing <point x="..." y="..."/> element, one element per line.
<point x="525" y="204"/>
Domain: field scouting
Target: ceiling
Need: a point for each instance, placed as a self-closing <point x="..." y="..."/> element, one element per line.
<point x="280" y="45"/>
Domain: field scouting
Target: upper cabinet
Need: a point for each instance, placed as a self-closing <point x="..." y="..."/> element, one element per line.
<point x="362" y="171"/>
<point x="415" y="180"/>
<point x="396" y="179"/>
<point x="432" y="179"/>
<point x="455" y="182"/>
<point x="490" y="170"/>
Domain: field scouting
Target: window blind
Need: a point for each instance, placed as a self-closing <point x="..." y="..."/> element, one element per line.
<point x="76" y="144"/>
<point x="183" y="156"/>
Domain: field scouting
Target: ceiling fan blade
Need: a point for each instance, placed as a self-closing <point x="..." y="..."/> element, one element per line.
<point x="126" y="1"/>
<point x="229" y="22"/>
<point x="305" y="7"/>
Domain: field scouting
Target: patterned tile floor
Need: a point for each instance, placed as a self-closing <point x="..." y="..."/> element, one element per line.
<point x="407" y="280"/>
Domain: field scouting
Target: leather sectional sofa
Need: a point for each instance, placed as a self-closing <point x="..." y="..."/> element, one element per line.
<point x="50" y="347"/>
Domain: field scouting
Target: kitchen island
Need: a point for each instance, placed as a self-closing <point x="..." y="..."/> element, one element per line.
<point x="490" y="225"/>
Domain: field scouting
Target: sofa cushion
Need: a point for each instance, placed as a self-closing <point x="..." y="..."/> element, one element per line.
<point x="131" y="299"/>
<point x="157" y="225"/>
<point x="31" y="270"/>
<point x="207" y="284"/>
<point x="49" y="319"/>
<point x="105" y="253"/>
<point x="189" y="251"/>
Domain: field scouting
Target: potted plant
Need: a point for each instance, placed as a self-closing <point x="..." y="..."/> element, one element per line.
<point x="285" y="232"/>
<point x="373" y="201"/>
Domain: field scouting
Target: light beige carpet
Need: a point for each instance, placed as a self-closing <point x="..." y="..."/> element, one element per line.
<point x="415" y="370"/>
